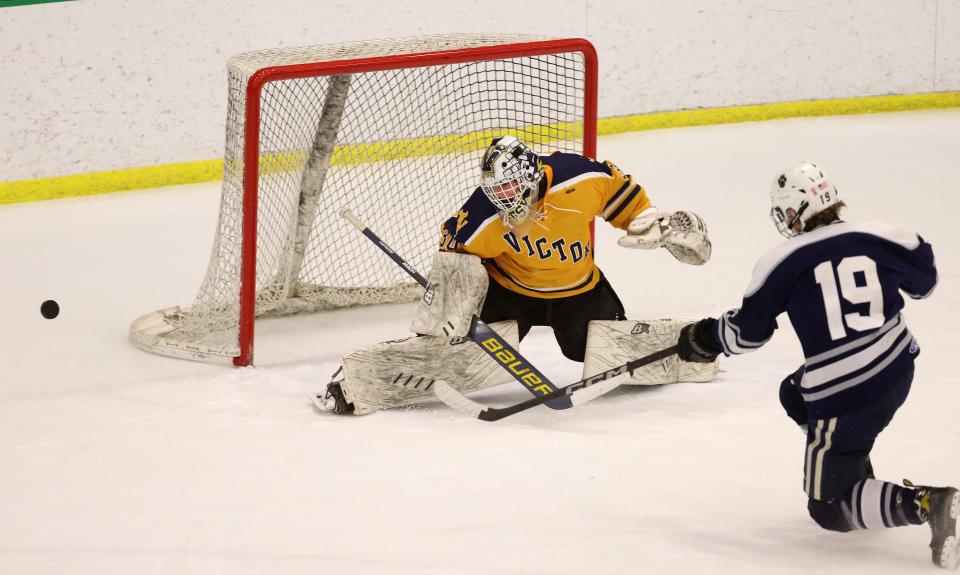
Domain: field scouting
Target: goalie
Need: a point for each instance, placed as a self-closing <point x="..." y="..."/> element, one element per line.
<point x="519" y="254"/>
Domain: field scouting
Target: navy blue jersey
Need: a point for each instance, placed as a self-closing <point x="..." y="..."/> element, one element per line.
<point x="840" y="285"/>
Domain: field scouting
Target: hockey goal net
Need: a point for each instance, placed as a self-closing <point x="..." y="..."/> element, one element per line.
<point x="393" y="129"/>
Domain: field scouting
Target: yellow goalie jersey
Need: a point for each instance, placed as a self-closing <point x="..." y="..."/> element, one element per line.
<point x="549" y="255"/>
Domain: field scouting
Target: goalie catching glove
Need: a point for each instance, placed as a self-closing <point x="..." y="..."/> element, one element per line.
<point x="456" y="288"/>
<point x="682" y="233"/>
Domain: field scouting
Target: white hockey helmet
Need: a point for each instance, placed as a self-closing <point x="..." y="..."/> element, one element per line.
<point x="510" y="177"/>
<point x="797" y="194"/>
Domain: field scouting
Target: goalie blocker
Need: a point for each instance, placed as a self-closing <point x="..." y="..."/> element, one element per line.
<point x="402" y="372"/>
<point x="455" y="291"/>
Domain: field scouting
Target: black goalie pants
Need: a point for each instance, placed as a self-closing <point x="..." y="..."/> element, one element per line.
<point x="567" y="316"/>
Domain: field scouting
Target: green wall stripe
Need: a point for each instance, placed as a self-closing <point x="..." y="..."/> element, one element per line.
<point x="207" y="170"/>
<point x="9" y="3"/>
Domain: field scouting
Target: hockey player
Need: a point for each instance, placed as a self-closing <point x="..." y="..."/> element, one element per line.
<point x="839" y="283"/>
<point x="519" y="253"/>
<point x="527" y="227"/>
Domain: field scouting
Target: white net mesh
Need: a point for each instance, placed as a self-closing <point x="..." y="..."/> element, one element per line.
<point x="400" y="147"/>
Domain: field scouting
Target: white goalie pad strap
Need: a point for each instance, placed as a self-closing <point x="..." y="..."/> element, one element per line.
<point x="456" y="288"/>
<point x="613" y="343"/>
<point x="644" y="231"/>
<point x="686" y="238"/>
<point x="402" y="372"/>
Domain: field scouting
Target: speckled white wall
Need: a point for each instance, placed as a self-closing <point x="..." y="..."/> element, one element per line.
<point x="947" y="60"/>
<point x="108" y="84"/>
<point x="692" y="53"/>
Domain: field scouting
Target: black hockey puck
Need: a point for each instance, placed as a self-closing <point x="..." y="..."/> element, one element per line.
<point x="49" y="309"/>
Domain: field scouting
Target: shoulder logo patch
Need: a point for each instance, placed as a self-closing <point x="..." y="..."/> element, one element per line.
<point x="462" y="219"/>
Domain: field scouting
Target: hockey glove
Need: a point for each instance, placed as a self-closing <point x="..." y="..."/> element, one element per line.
<point x="456" y="289"/>
<point x="685" y="237"/>
<point x="695" y="343"/>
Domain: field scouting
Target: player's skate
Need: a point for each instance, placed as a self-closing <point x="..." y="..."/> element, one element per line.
<point x="332" y="399"/>
<point x="940" y="507"/>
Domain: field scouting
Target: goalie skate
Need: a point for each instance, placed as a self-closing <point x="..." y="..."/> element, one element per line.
<point x="332" y="398"/>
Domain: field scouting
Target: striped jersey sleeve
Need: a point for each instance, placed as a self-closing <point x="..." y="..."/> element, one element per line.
<point x="922" y="278"/>
<point x="622" y="198"/>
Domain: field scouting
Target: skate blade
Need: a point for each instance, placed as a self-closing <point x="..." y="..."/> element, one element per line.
<point x="950" y="552"/>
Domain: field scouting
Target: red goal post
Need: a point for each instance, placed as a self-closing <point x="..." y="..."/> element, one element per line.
<point x="392" y="128"/>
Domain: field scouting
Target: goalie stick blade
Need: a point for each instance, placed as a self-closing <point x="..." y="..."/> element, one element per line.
<point x="456" y="400"/>
<point x="590" y="393"/>
<point x="459" y="402"/>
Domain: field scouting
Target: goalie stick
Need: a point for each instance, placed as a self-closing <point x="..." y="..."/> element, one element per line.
<point x="480" y="333"/>
<point x="609" y="379"/>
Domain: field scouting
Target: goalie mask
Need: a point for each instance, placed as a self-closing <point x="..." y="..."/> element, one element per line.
<point x="797" y="194"/>
<point x="510" y="178"/>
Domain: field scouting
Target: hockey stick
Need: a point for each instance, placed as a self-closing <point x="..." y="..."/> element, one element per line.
<point x="463" y="404"/>
<point x="482" y="334"/>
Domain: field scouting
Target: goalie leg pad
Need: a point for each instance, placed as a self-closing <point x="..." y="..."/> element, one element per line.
<point x="613" y="343"/>
<point x="402" y="372"/>
<point x="456" y="288"/>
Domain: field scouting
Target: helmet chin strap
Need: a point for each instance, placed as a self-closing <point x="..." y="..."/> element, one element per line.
<point x="521" y="211"/>
<point x="516" y="215"/>
<point x="540" y="192"/>
<point x="518" y="212"/>
<point x="792" y="223"/>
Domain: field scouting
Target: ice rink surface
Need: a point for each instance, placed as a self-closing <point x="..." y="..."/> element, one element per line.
<point x="113" y="460"/>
